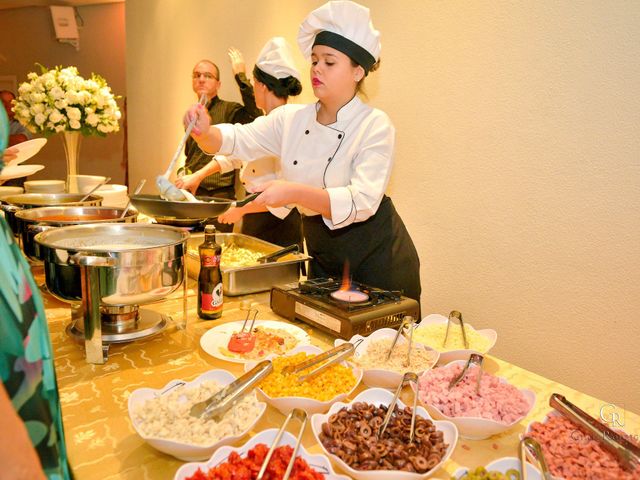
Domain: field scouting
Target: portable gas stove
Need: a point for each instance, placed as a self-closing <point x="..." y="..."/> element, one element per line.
<point x="343" y="313"/>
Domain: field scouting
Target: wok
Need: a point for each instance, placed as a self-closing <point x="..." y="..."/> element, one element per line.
<point x="156" y="206"/>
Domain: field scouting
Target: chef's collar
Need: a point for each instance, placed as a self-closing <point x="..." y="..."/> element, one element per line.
<point x="346" y="112"/>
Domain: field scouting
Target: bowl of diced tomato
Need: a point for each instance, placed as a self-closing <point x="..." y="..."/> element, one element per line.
<point x="240" y="462"/>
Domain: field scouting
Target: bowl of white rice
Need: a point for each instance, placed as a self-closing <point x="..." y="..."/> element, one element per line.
<point x="161" y="416"/>
<point x="371" y="357"/>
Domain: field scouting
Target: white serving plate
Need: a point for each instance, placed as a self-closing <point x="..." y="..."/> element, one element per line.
<point x="219" y="336"/>
<point x="447" y="356"/>
<point x="380" y="377"/>
<point x="17" y="171"/>
<point x="476" y="428"/>
<point x="379" y="396"/>
<point x="113" y="195"/>
<point x="7" y="191"/>
<point x="318" y="462"/>
<point x="180" y="450"/>
<point x="26" y="150"/>
<point x="502" y="465"/>
<point x="309" y="405"/>
<point x="44" y="186"/>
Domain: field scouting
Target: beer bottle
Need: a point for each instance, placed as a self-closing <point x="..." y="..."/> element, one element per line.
<point x="210" y="278"/>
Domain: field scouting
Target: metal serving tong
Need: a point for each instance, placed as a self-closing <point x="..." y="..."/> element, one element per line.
<point x="272" y="257"/>
<point x="409" y="322"/>
<point x="627" y="453"/>
<point x="302" y="416"/>
<point x="474" y="359"/>
<point x="456" y="317"/>
<point x="340" y="353"/>
<point x="248" y="306"/>
<point x="532" y="444"/>
<point x="219" y="403"/>
<point x="408" y="377"/>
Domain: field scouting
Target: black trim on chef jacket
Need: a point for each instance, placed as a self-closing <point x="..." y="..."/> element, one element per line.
<point x="380" y="251"/>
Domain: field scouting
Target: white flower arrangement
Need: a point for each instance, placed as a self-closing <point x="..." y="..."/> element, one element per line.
<point x="60" y="100"/>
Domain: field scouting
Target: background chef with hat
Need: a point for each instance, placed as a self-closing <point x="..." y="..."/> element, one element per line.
<point x="275" y="78"/>
<point x="335" y="156"/>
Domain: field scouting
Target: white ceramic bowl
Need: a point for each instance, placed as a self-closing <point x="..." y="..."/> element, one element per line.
<point x="286" y="404"/>
<point x="476" y="428"/>
<point x="318" y="462"/>
<point x="380" y="377"/>
<point x="84" y="183"/>
<point x="185" y="451"/>
<point x="379" y="396"/>
<point x="447" y="356"/>
<point x="44" y="186"/>
<point x="113" y="195"/>
<point x="502" y="465"/>
<point x="8" y="191"/>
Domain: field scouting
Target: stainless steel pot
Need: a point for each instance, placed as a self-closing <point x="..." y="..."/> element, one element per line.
<point x="111" y="265"/>
<point x="32" y="221"/>
<point x="14" y="203"/>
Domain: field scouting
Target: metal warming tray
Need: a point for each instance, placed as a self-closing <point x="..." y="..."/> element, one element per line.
<point x="250" y="279"/>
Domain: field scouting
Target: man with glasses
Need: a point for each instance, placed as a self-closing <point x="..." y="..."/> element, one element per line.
<point x="206" y="80"/>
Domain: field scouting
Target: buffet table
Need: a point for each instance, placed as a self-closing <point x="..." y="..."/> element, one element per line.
<point x="103" y="445"/>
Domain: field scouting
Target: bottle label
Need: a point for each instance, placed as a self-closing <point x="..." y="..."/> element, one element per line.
<point x="212" y="302"/>
<point x="210" y="260"/>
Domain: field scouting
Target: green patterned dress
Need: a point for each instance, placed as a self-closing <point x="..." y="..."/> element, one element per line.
<point x="26" y="358"/>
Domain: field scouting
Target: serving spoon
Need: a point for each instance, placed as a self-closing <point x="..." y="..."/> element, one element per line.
<point x="135" y="192"/>
<point x="168" y="190"/>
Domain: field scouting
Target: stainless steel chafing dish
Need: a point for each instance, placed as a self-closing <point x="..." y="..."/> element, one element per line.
<point x="253" y="278"/>
<point x="110" y="269"/>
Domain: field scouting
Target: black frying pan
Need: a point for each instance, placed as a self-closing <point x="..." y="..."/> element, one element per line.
<point x="156" y="206"/>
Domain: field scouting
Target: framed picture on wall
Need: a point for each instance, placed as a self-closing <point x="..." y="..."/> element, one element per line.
<point x="9" y="82"/>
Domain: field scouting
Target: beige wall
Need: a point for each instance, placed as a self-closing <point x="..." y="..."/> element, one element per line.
<point x="27" y="36"/>
<point x="518" y="160"/>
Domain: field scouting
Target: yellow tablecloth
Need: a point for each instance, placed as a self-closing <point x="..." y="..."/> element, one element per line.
<point x="103" y="444"/>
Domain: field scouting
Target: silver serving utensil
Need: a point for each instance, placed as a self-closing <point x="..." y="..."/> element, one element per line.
<point x="248" y="306"/>
<point x="168" y="190"/>
<point x="135" y="192"/>
<point x="625" y="451"/>
<point x="532" y="444"/>
<point x="455" y="317"/>
<point x="408" y="377"/>
<point x="215" y="406"/>
<point x="474" y="359"/>
<point x="106" y="180"/>
<point x="302" y="416"/>
<point x="409" y="322"/>
<point x="340" y="353"/>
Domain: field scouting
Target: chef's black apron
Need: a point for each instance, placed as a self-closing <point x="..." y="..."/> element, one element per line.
<point x="268" y="227"/>
<point x="380" y="251"/>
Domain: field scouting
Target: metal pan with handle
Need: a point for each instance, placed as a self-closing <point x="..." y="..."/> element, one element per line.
<point x="209" y="207"/>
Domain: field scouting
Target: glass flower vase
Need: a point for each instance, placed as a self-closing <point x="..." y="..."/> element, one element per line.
<point x="71" y="142"/>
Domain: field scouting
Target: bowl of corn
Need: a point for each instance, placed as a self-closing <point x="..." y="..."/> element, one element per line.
<point x="432" y="330"/>
<point x="315" y="395"/>
<point x="371" y="356"/>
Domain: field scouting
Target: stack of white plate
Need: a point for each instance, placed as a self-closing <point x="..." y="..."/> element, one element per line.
<point x="7" y="191"/>
<point x="113" y="195"/>
<point x="44" y="186"/>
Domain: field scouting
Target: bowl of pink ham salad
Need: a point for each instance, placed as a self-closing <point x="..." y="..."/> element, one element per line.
<point x="498" y="407"/>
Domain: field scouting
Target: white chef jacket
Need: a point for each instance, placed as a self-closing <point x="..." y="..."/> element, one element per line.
<point x="351" y="158"/>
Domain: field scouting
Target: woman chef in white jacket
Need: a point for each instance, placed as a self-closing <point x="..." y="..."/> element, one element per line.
<point x="335" y="156"/>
